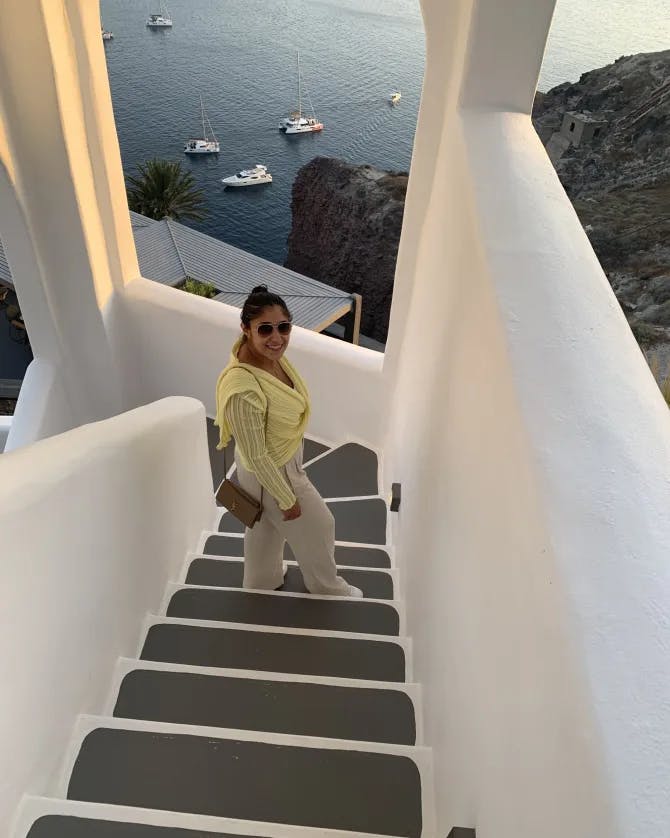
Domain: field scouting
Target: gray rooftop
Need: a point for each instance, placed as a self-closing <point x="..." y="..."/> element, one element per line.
<point x="169" y="252"/>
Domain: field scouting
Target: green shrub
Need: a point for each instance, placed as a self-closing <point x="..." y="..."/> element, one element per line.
<point x="201" y="289"/>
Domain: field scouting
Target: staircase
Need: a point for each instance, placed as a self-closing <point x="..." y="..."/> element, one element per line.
<point x="264" y="714"/>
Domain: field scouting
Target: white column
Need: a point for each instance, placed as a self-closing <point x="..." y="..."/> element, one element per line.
<point x="67" y="233"/>
<point x="505" y="51"/>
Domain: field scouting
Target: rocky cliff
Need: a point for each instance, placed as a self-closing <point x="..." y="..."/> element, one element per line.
<point x="347" y="219"/>
<point x="345" y="232"/>
<point x="619" y="183"/>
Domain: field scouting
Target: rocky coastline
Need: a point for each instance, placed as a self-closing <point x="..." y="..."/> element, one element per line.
<point x="608" y="135"/>
<point x="619" y="183"/>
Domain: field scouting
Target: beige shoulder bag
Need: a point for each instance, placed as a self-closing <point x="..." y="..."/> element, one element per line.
<point x="239" y="503"/>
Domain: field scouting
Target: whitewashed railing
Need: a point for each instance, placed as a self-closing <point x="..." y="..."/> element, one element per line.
<point x="93" y="522"/>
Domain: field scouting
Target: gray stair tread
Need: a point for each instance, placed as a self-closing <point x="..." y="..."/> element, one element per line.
<point x="347" y="471"/>
<point x="302" y="654"/>
<point x="312" y="449"/>
<point x="229" y="574"/>
<point x="364" y="713"/>
<point x="224" y="545"/>
<point x="67" y="826"/>
<point x="316" y="787"/>
<point x="289" y="611"/>
<point x="363" y="521"/>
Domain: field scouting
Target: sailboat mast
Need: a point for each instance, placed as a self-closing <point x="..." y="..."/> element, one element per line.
<point x="299" y="89"/>
<point x="202" y="117"/>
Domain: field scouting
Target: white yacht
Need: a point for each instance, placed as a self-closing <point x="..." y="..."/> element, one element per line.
<point x="107" y="36"/>
<point x="249" y="177"/>
<point x="395" y="97"/>
<point x="297" y="122"/>
<point x="160" y="20"/>
<point x="207" y="143"/>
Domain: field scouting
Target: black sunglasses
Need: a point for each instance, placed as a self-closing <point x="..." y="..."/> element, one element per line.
<point x="266" y="329"/>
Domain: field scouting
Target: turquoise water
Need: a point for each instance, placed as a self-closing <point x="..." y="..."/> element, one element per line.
<point x="240" y="54"/>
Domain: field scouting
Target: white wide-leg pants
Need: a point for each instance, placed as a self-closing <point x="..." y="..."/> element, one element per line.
<point x="311" y="536"/>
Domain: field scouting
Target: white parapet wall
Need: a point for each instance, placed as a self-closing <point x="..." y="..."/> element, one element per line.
<point x="533" y="448"/>
<point x="94" y="522"/>
<point x="534" y="528"/>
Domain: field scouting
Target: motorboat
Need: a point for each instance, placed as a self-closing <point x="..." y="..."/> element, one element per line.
<point x="395" y="97"/>
<point x="249" y="177"/>
<point x="207" y="143"/>
<point x="107" y="36"/>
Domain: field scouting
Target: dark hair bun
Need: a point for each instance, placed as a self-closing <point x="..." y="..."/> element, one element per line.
<point x="260" y="299"/>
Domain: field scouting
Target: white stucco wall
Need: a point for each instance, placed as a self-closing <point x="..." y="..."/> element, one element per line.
<point x="94" y="522"/>
<point x="534" y="452"/>
<point x="42" y="408"/>
<point x="63" y="214"/>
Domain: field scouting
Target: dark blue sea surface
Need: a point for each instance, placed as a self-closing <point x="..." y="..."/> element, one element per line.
<point x="241" y="56"/>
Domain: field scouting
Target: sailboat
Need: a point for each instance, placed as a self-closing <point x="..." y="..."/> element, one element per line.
<point x="297" y="122"/>
<point x="207" y="144"/>
<point x="161" y="19"/>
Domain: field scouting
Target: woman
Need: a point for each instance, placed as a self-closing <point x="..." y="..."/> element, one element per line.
<point x="263" y="402"/>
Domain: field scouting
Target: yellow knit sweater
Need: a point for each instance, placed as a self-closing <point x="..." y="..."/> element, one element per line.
<point x="242" y="387"/>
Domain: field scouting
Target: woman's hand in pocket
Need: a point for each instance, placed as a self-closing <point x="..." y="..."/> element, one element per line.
<point x="292" y="513"/>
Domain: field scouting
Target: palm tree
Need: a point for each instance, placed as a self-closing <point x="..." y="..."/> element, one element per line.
<point x="162" y="189"/>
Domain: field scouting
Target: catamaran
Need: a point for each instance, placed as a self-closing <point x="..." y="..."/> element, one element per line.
<point x="207" y="143"/>
<point x="161" y="19"/>
<point x="296" y="122"/>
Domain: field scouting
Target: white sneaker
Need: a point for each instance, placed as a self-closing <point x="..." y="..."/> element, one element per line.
<point x="354" y="592"/>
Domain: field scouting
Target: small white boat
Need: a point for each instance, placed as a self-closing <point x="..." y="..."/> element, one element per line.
<point x="207" y="143"/>
<point x="249" y="177"/>
<point x="395" y="97"/>
<point x="107" y="36"/>
<point x="161" y="20"/>
<point x="296" y="122"/>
